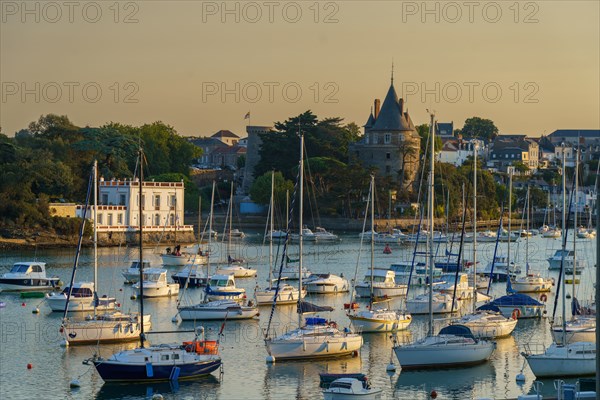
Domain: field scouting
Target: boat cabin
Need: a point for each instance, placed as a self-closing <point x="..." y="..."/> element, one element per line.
<point x="80" y="289"/>
<point x="30" y="269"/>
<point x="381" y="276"/>
<point x="222" y="281"/>
<point x="136" y="265"/>
<point x="156" y="275"/>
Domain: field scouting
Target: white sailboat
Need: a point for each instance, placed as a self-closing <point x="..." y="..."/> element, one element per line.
<point x="109" y="327"/>
<point x="377" y="318"/>
<point x="317" y="337"/>
<point x="564" y="358"/>
<point x="455" y="345"/>
<point x="483" y="324"/>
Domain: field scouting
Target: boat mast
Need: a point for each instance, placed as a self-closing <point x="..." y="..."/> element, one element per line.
<point x="271" y="228"/>
<point x="510" y="171"/>
<point x="564" y="245"/>
<point x="142" y="336"/>
<point x="575" y="220"/>
<point x="430" y="210"/>
<point x="527" y="234"/>
<point x="210" y="221"/>
<point x="372" y="240"/>
<point x="301" y="244"/>
<point x="230" y="221"/>
<point x="95" y="236"/>
<point x="474" y="226"/>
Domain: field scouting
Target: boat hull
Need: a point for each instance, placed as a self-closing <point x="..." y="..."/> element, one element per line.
<point x="577" y="359"/>
<point x="314" y="347"/>
<point x="191" y="281"/>
<point x="206" y="314"/>
<point x="21" y="285"/>
<point x="161" y="291"/>
<point x="443" y="356"/>
<point x="89" y="332"/>
<point x="367" y="324"/>
<point x="380" y="292"/>
<point x="58" y="302"/>
<point x="371" y="395"/>
<point x="268" y="297"/>
<point x="237" y="272"/>
<point x="119" y="372"/>
<point x="173" y="260"/>
<point x="326" y="288"/>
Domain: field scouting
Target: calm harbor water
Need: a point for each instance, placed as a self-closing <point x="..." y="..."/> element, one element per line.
<point x="33" y="338"/>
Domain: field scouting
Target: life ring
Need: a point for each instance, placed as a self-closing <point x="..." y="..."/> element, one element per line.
<point x="516" y="313"/>
<point x="333" y="324"/>
<point x="543" y="298"/>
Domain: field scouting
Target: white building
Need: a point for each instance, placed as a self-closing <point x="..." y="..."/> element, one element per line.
<point x="456" y="151"/>
<point x="118" y="210"/>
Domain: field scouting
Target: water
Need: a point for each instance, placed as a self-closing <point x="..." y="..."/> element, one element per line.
<point x="33" y="338"/>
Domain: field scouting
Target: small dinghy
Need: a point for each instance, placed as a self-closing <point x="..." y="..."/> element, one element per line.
<point x="350" y="388"/>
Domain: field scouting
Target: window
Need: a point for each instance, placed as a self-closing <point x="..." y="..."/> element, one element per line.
<point x="173" y="201"/>
<point x="175" y="356"/>
<point x="388" y="155"/>
<point x="157" y="219"/>
<point x="375" y="138"/>
<point x="388" y="169"/>
<point x="104" y="199"/>
<point x="157" y="201"/>
<point x="119" y="219"/>
<point x="143" y="202"/>
<point x="164" y="357"/>
<point x="172" y="219"/>
<point x="37" y="268"/>
<point x="122" y="199"/>
<point x="388" y="138"/>
<point x="109" y="220"/>
<point x="100" y="219"/>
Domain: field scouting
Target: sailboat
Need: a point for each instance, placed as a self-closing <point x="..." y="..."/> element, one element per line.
<point x="80" y="296"/>
<point x="237" y="267"/>
<point x="281" y="293"/>
<point x="580" y="328"/>
<point x="531" y="282"/>
<point x="317" y="337"/>
<point x="563" y="359"/>
<point x="161" y="362"/>
<point x="377" y="319"/>
<point x="483" y="324"/>
<point x="113" y="326"/>
<point x="454" y="345"/>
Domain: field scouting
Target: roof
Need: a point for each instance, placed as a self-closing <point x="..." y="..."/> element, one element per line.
<point x="587" y="133"/>
<point x="445" y="128"/>
<point x="225" y="133"/>
<point x="230" y="150"/>
<point x="391" y="117"/>
<point x="207" y="141"/>
<point x="370" y="121"/>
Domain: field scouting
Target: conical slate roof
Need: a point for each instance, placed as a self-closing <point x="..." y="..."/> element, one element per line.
<point x="370" y="121"/>
<point x="390" y="117"/>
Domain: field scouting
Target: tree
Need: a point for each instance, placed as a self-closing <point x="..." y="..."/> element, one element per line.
<point x="479" y="128"/>
<point x="260" y="192"/>
<point x="520" y="167"/>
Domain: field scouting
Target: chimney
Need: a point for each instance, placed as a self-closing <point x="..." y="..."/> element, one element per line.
<point x="401" y="104"/>
<point x="377" y="107"/>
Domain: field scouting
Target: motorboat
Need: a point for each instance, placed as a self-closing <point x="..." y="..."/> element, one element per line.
<point x="570" y="260"/>
<point x="236" y="234"/>
<point x="482" y="237"/>
<point x="367" y="235"/>
<point x="500" y="270"/>
<point x="384" y="285"/>
<point x="222" y="287"/>
<point x="307" y="235"/>
<point x="156" y="285"/>
<point x="191" y="275"/>
<point x="132" y="274"/>
<point x="293" y="273"/>
<point x="326" y="284"/>
<point x="350" y="388"/>
<point x="450" y="286"/>
<point x="324" y="236"/>
<point x="28" y="275"/>
<point x="178" y="258"/>
<point x="453" y="346"/>
<point x="402" y="270"/>
<point x="488" y="324"/>
<point x="518" y="305"/>
<point x="422" y="237"/>
<point x="81" y="298"/>
<point x="218" y="310"/>
<point x="552" y="233"/>
<point x="276" y="235"/>
<point x="442" y="304"/>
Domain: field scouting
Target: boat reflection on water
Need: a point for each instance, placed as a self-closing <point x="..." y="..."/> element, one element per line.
<point x="300" y="379"/>
<point x="466" y="383"/>
<point x="207" y="385"/>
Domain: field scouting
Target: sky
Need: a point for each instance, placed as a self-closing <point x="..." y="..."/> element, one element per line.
<point x="530" y="66"/>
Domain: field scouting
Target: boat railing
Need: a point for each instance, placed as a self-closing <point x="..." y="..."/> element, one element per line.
<point x="533" y="348"/>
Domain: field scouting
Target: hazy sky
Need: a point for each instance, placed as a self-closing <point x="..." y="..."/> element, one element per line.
<point x="531" y="67"/>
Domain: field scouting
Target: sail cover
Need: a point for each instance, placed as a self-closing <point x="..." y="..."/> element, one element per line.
<point x="306" y="308"/>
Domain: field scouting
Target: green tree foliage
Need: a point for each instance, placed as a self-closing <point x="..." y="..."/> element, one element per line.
<point x="260" y="192"/>
<point x="480" y="128"/>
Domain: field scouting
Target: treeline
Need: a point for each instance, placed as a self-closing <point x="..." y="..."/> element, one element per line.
<point x="52" y="159"/>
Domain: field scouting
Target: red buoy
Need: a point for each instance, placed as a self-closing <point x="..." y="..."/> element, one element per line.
<point x="433" y="394"/>
<point x="23" y="304"/>
<point x="29" y="366"/>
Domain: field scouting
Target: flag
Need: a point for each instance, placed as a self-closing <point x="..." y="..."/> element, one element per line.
<point x="247" y="116"/>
